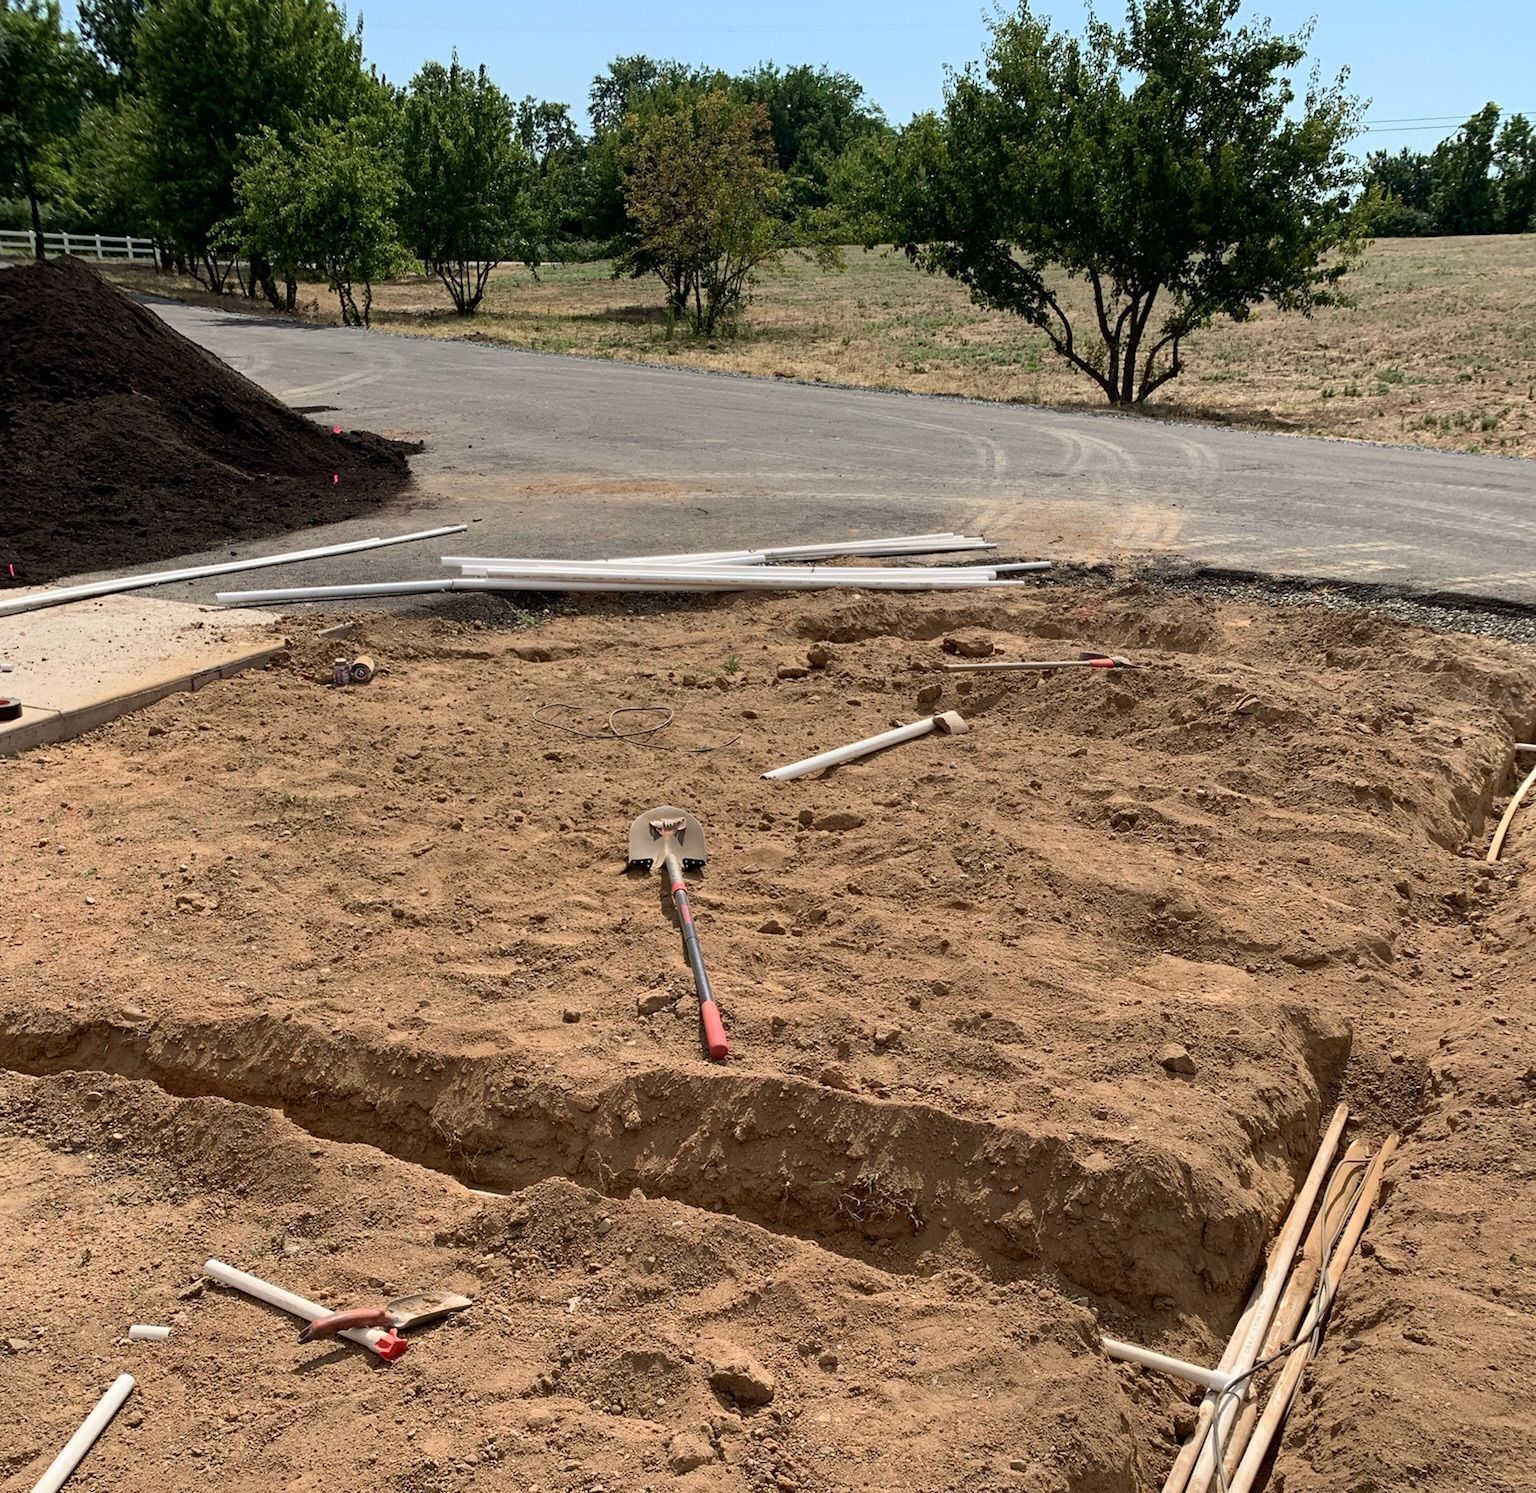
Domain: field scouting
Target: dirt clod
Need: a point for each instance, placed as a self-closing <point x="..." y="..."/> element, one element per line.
<point x="1176" y="1059"/>
<point x="734" y="1372"/>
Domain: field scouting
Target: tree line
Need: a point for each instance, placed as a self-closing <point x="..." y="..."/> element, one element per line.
<point x="1171" y="165"/>
<point x="253" y="142"/>
<point x="1481" y="180"/>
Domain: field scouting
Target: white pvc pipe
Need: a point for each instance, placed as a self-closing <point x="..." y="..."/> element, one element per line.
<point x="9" y="606"/>
<point x="1178" y="1367"/>
<point x="628" y="570"/>
<point x="142" y="1333"/>
<point x="288" y="1301"/>
<point x="949" y="722"/>
<point x="85" y="1438"/>
<point x="701" y="579"/>
<point x="917" y="544"/>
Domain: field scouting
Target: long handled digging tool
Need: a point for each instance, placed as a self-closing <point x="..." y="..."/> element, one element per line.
<point x="676" y="839"/>
<point x="1082" y="661"/>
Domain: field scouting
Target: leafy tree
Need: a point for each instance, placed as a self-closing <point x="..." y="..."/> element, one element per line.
<point x="632" y="89"/>
<point x="45" y="82"/>
<point x="709" y="203"/>
<point x="214" y="72"/>
<point x="1160" y="162"/>
<point x="816" y="115"/>
<point x="1514" y="158"/>
<point x="109" y="28"/>
<point x="469" y="184"/>
<point x="1464" y="198"/>
<point x="561" y="193"/>
<point x="1398" y="189"/>
<point x="326" y="202"/>
<point x="111" y="168"/>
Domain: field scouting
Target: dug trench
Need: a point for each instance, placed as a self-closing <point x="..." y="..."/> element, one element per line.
<point x="1054" y="1008"/>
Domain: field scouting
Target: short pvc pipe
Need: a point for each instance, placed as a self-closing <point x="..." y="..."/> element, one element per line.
<point x="85" y="1438"/>
<point x="1177" y="1367"/>
<point x="950" y="722"/>
<point x="141" y="1332"/>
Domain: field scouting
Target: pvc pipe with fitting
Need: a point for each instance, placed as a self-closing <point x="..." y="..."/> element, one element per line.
<point x="84" y="1439"/>
<point x="950" y="722"/>
<point x="1177" y="1367"/>
<point x="388" y="1345"/>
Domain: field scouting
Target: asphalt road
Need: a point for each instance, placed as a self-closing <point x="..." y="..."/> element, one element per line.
<point x="579" y="457"/>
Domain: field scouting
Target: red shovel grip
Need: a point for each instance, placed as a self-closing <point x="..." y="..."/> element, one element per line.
<point x="714" y="1031"/>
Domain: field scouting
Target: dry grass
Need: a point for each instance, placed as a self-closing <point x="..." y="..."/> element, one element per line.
<point x="1436" y="351"/>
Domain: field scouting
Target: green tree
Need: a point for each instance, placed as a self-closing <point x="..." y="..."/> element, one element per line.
<point x="1398" y="189"/>
<point x="214" y="73"/>
<point x="111" y="168"/>
<point x="326" y="202"/>
<point x="561" y="192"/>
<point x="470" y="187"/>
<point x="816" y="116"/>
<point x="1465" y="198"/>
<point x="630" y="91"/>
<point x="1161" y="162"/>
<point x="109" y="29"/>
<point x="709" y="204"/>
<point x="45" y="81"/>
<point x="1514" y="158"/>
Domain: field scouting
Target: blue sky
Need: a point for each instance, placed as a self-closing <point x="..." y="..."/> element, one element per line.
<point x="1424" y="64"/>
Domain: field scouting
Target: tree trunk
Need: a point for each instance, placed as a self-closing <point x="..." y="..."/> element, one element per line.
<point x="30" y="188"/>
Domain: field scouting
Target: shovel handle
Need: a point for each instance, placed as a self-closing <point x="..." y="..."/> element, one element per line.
<point x="709" y="1013"/>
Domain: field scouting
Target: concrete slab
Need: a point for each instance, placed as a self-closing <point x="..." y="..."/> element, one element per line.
<point x="76" y="667"/>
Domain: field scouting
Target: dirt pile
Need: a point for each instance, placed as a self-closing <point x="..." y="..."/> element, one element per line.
<point x="385" y="932"/>
<point x="123" y="443"/>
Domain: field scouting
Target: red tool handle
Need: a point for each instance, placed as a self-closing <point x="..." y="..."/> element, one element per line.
<point x="714" y="1031"/>
<point x="709" y="1013"/>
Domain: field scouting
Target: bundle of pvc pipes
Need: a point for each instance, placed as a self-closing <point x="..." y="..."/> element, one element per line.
<point x="1300" y="1278"/>
<point x="709" y="570"/>
<point x="603" y="577"/>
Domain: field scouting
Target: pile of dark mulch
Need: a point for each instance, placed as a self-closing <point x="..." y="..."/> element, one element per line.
<point x="123" y="443"/>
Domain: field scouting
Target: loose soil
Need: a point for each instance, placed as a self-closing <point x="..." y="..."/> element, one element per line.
<point x="122" y="442"/>
<point x="300" y="976"/>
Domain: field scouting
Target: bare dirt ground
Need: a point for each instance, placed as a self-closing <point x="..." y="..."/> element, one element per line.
<point x="1433" y="351"/>
<point x="295" y="975"/>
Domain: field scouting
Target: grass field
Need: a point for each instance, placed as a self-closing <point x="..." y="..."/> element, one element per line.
<point x="1437" y="350"/>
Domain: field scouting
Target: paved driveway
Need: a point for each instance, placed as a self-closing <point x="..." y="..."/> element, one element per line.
<point x="571" y="456"/>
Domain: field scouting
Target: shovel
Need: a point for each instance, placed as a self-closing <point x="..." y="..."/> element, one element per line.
<point x="676" y="839"/>
<point x="401" y="1313"/>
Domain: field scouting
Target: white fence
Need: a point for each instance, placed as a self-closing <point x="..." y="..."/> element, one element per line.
<point x="21" y="243"/>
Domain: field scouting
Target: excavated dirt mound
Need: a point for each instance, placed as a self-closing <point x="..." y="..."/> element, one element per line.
<point x="1034" y="1030"/>
<point x="122" y="442"/>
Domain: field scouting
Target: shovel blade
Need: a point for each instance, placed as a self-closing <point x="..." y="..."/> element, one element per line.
<point x="645" y="836"/>
<point x="424" y="1306"/>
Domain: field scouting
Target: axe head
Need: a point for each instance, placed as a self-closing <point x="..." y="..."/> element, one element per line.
<point x="1107" y="660"/>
